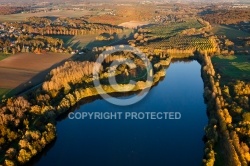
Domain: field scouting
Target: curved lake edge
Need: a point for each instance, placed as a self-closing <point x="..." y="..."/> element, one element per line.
<point x="213" y="134"/>
<point x="214" y="137"/>
<point x="204" y="75"/>
<point x="93" y="98"/>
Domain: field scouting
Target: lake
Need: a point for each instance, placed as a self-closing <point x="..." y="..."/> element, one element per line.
<point x="126" y="142"/>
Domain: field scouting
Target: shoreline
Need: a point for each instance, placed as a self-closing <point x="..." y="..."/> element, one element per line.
<point x="71" y="99"/>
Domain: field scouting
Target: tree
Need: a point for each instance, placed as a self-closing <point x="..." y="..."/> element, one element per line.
<point x="246" y="117"/>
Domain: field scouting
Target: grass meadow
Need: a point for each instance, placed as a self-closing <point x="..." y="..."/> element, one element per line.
<point x="233" y="67"/>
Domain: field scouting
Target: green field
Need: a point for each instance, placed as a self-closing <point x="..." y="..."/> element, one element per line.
<point x="233" y="67"/>
<point x="231" y="33"/>
<point x="3" y="92"/>
<point x="172" y="29"/>
<point x="3" y="56"/>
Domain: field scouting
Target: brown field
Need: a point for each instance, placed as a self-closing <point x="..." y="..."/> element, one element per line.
<point x="11" y="78"/>
<point x="25" y="70"/>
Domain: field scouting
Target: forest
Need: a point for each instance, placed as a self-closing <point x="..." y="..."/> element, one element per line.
<point x="227" y="16"/>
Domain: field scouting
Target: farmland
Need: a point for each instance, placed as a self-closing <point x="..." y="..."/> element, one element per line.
<point x="187" y="43"/>
<point x="233" y="67"/>
<point x="231" y="33"/>
<point x="169" y="30"/>
<point x="54" y="13"/>
<point x="180" y="37"/>
<point x="25" y="70"/>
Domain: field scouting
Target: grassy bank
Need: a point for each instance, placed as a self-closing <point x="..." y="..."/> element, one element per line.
<point x="230" y="32"/>
<point x="3" y="92"/>
<point x="232" y="67"/>
<point x="3" y="56"/>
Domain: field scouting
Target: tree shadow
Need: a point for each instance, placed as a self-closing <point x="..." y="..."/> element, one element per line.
<point x="102" y="43"/>
<point x="52" y="18"/>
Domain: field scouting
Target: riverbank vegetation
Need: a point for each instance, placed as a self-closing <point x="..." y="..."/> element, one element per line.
<point x="228" y="107"/>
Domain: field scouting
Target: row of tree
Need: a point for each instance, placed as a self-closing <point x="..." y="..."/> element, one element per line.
<point x="228" y="120"/>
<point x="219" y="117"/>
<point x="70" y="73"/>
<point x="29" y="43"/>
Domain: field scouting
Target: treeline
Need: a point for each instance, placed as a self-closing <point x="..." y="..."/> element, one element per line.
<point x="62" y="30"/>
<point x="39" y="21"/>
<point x="236" y="95"/>
<point x="30" y="43"/>
<point x="216" y="130"/>
<point x="226" y="47"/>
<point x="5" y="10"/>
<point x="70" y="73"/>
<point x="66" y="26"/>
<point x="227" y="16"/>
<point x="228" y="123"/>
<point x="201" y="31"/>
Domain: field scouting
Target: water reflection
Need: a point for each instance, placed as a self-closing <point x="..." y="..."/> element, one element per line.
<point x="138" y="142"/>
